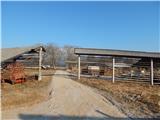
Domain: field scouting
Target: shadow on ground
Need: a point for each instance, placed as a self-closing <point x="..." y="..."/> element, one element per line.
<point x="66" y="117"/>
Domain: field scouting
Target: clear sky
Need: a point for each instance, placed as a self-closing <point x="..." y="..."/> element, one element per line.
<point x="110" y="25"/>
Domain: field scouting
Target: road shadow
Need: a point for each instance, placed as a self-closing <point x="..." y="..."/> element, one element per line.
<point x="66" y="117"/>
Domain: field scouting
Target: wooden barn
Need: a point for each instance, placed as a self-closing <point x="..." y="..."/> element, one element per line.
<point x="29" y="57"/>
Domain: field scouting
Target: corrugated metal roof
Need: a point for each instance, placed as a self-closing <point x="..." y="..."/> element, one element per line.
<point x="7" y="53"/>
<point x="119" y="53"/>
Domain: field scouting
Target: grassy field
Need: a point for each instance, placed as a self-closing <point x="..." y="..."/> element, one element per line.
<point x="136" y="100"/>
<point x="27" y="93"/>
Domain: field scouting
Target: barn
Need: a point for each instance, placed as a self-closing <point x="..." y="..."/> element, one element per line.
<point x="30" y="57"/>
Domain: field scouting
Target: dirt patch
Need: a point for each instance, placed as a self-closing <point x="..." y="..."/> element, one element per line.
<point x="27" y="93"/>
<point x="136" y="100"/>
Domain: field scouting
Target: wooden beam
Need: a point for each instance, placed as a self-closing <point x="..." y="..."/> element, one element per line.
<point x="40" y="64"/>
<point x="79" y="67"/>
<point x="113" y="69"/>
<point x="152" y="76"/>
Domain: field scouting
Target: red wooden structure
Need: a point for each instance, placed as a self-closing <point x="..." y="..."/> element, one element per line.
<point x="16" y="72"/>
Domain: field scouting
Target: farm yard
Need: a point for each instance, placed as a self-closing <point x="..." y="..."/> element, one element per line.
<point x="125" y="88"/>
<point x="80" y="60"/>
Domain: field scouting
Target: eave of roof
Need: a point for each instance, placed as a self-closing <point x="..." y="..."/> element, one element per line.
<point x="119" y="53"/>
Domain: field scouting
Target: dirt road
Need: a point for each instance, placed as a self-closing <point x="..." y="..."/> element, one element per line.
<point x="68" y="100"/>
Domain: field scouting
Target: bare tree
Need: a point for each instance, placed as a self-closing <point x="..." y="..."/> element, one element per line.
<point x="56" y="56"/>
<point x="53" y="55"/>
<point x="68" y="53"/>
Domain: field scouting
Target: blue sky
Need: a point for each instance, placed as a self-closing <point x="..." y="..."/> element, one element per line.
<point x="110" y="25"/>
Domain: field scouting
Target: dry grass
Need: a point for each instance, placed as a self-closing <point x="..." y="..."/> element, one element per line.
<point x="27" y="93"/>
<point x="30" y="72"/>
<point x="136" y="100"/>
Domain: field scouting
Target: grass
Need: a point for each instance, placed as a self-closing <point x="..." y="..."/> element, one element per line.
<point x="27" y="93"/>
<point x="136" y="100"/>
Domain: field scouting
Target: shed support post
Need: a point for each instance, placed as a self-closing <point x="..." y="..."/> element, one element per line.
<point x="152" y="74"/>
<point x="113" y="69"/>
<point x="40" y="64"/>
<point x="79" y="66"/>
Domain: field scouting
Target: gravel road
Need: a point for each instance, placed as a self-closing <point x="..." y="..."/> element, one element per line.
<point x="68" y="100"/>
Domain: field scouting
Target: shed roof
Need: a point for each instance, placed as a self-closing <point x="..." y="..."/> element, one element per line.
<point x="9" y="53"/>
<point x="119" y="53"/>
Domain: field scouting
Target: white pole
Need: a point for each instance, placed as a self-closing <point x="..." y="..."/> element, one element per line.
<point x="40" y="64"/>
<point x="152" y="76"/>
<point x="79" y="66"/>
<point x="113" y="69"/>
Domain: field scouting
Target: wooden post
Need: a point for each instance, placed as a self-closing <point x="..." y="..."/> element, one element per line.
<point x="40" y="64"/>
<point x="152" y="74"/>
<point x="79" y="66"/>
<point x="113" y="69"/>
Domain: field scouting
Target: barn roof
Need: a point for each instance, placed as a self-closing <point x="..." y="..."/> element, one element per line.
<point x="10" y="53"/>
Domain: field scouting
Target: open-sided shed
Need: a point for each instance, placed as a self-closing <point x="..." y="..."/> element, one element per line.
<point x="152" y="57"/>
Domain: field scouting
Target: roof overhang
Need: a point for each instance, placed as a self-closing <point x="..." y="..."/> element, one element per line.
<point x="118" y="53"/>
<point x="8" y="54"/>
